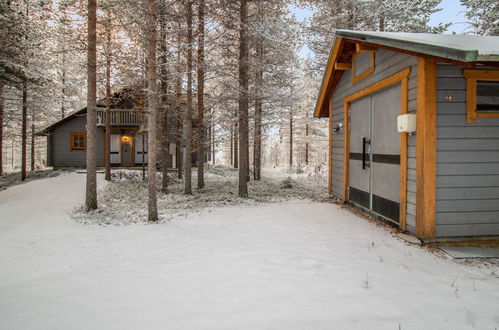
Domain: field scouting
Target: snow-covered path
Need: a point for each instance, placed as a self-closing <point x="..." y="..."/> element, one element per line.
<point x="293" y="265"/>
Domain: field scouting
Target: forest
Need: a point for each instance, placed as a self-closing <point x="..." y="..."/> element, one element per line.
<point x="235" y="69"/>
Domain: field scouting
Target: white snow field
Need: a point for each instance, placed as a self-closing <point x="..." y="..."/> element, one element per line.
<point x="286" y="265"/>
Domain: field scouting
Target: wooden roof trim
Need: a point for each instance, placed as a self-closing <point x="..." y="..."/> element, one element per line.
<point x="338" y="42"/>
<point x="328" y="83"/>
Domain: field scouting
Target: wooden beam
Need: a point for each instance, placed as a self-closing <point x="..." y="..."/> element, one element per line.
<point x="362" y="48"/>
<point x="327" y="75"/>
<point x="366" y="73"/>
<point x="426" y="148"/>
<point x="330" y="149"/>
<point x="346" y="149"/>
<point x="382" y="84"/>
<point x="342" y="66"/>
<point x="404" y="104"/>
<point x="472" y="76"/>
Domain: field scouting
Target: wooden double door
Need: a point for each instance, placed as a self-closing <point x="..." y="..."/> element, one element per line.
<point x="374" y="155"/>
<point x="127" y="149"/>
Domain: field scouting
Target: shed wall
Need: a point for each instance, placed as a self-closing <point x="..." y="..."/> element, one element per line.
<point x="467" y="163"/>
<point x="387" y="63"/>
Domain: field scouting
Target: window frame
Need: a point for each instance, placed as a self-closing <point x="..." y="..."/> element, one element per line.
<point x="472" y="76"/>
<point x="366" y="73"/>
<point x="72" y="136"/>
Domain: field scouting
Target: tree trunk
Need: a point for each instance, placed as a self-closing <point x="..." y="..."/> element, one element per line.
<point x="188" y="112"/>
<point x="24" y="130"/>
<point x="290" y="138"/>
<point x="178" y="92"/>
<point x="144" y="137"/>
<point x="382" y="24"/>
<point x="152" y="109"/>
<point x="91" y="184"/>
<point x="213" y="144"/>
<point x="236" y="144"/>
<point x="32" y="167"/>
<point x="63" y="83"/>
<point x="306" y="140"/>
<point x="1" y="126"/>
<point x="257" y="134"/>
<point x="243" y="100"/>
<point x="107" y="143"/>
<point x="164" y="91"/>
<point x="200" y="91"/>
<point x="231" y="144"/>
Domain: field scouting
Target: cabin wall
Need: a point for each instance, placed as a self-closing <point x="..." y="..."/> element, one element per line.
<point x="467" y="163"/>
<point x="387" y="63"/>
<point x="60" y="150"/>
<point x="59" y="153"/>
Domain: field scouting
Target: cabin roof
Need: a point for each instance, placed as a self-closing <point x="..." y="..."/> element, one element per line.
<point x="463" y="49"/>
<point x="127" y="98"/>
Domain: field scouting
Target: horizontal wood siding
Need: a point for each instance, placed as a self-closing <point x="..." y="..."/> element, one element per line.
<point x="387" y="63"/>
<point x="61" y="151"/>
<point x="467" y="163"/>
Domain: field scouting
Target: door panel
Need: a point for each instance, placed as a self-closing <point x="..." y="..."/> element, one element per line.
<point x="115" y="149"/>
<point x="374" y="179"/>
<point x="127" y="152"/>
<point x="386" y="153"/>
<point x="360" y="131"/>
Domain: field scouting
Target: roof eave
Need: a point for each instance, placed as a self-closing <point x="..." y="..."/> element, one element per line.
<point x="426" y="49"/>
<point x="326" y="78"/>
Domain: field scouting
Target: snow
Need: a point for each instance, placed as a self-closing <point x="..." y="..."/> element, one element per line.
<point x="283" y="265"/>
<point x="124" y="200"/>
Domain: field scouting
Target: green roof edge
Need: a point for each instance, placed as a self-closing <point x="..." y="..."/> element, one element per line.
<point x="419" y="47"/>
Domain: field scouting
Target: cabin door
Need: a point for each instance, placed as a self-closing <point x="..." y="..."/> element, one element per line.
<point x="127" y="148"/>
<point x="374" y="179"/>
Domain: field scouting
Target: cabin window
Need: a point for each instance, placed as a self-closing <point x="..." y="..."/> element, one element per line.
<point x="362" y="65"/>
<point x="78" y="141"/>
<point x="482" y="94"/>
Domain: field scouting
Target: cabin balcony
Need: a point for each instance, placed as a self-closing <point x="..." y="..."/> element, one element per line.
<point x="121" y="117"/>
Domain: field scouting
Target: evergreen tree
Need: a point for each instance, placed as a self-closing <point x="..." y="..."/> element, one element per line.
<point x="483" y="16"/>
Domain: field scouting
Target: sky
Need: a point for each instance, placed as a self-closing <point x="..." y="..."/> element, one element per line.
<point x="452" y="12"/>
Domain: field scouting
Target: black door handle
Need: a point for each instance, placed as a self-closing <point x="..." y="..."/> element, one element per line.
<point x="364" y="153"/>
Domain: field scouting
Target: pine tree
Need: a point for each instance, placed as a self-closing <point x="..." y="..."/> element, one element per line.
<point x="91" y="185"/>
<point x="483" y="16"/>
<point x="152" y="105"/>
<point x="243" y="100"/>
<point x="200" y="95"/>
<point x="188" y="112"/>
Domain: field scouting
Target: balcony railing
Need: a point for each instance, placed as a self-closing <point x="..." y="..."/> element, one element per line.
<point x="121" y="117"/>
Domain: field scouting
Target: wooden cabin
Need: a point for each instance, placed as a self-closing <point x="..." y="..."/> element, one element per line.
<point x="414" y="130"/>
<point x="66" y="138"/>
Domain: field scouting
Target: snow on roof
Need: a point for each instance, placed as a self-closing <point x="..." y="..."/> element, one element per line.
<point x="465" y="48"/>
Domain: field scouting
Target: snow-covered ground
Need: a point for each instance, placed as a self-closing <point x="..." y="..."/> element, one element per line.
<point x="284" y="265"/>
<point x="124" y="200"/>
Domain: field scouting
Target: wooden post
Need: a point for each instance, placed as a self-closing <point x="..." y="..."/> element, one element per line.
<point x="426" y="148"/>
<point x="330" y="149"/>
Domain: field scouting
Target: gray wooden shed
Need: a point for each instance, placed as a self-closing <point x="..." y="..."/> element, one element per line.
<point x="414" y="129"/>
